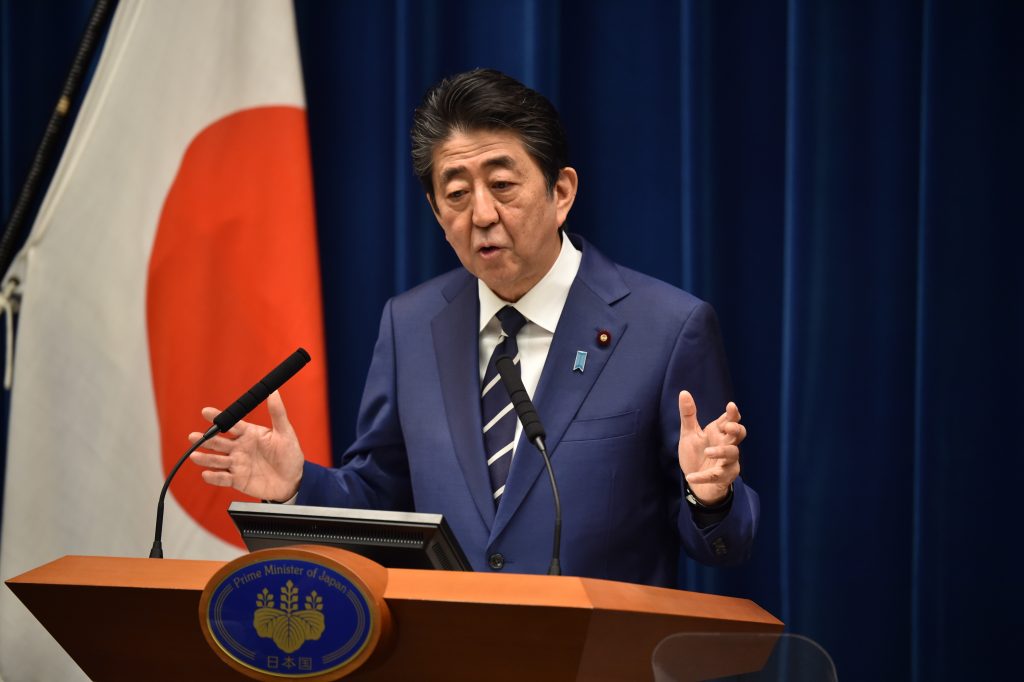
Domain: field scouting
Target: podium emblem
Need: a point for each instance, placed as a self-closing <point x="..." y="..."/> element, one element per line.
<point x="287" y="626"/>
<point x="287" y="616"/>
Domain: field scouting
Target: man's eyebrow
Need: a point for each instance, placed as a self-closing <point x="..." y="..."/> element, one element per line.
<point x="450" y="172"/>
<point x="503" y="161"/>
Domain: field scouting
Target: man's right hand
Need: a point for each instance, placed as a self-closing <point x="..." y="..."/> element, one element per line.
<point x="260" y="462"/>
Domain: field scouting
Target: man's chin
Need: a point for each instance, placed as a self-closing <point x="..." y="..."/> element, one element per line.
<point x="504" y="287"/>
<point x="493" y="272"/>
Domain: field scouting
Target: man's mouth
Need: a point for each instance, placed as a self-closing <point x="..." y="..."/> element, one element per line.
<point x="488" y="249"/>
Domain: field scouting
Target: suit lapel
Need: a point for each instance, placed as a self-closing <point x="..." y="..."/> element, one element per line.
<point x="561" y="390"/>
<point x="456" y="342"/>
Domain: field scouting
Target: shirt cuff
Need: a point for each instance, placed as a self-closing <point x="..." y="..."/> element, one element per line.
<point x="290" y="500"/>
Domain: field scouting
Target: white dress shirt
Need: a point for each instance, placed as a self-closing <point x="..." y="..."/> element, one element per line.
<point x="541" y="306"/>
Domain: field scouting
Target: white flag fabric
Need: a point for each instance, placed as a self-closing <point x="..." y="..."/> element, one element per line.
<point x="173" y="263"/>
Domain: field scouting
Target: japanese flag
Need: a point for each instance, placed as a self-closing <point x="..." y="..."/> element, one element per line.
<point x="173" y="263"/>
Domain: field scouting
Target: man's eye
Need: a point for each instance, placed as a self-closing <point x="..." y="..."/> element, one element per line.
<point x="502" y="184"/>
<point x="457" y="194"/>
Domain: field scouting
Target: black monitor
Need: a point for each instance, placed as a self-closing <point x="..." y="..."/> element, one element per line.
<point x="392" y="539"/>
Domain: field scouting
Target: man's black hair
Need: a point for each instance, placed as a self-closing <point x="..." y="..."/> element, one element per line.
<point x="485" y="99"/>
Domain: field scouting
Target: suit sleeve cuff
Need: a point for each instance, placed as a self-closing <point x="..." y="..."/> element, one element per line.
<point x="705" y="517"/>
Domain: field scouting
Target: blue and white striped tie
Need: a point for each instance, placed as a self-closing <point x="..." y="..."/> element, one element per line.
<point x="499" y="417"/>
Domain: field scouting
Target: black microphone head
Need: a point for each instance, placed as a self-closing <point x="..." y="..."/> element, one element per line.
<point x="507" y="368"/>
<point x="259" y="392"/>
<point x="226" y="419"/>
<point x="513" y="382"/>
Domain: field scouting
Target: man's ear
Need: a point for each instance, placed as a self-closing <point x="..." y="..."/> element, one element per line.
<point x="433" y="205"/>
<point x="565" y="192"/>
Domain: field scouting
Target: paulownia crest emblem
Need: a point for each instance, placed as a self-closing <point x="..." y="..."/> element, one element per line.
<point x="288" y="626"/>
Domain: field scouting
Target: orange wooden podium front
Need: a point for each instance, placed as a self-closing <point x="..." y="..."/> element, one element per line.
<point x="132" y="619"/>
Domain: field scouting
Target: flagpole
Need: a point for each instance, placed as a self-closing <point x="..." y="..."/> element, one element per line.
<point x="99" y="19"/>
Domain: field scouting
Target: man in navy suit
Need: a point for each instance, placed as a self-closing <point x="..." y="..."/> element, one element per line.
<point x="604" y="350"/>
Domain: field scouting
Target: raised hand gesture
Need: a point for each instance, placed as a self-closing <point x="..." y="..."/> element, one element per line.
<point x="709" y="457"/>
<point x="261" y="462"/>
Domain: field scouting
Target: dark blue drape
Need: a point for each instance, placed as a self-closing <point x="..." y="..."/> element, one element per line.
<point x="837" y="178"/>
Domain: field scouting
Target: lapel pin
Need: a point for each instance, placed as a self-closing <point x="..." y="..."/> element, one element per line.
<point x="581" y="361"/>
<point x="604" y="337"/>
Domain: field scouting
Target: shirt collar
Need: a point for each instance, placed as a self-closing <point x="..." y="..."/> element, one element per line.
<point x="542" y="304"/>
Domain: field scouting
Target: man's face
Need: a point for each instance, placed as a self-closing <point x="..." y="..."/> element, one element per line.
<point x="495" y="209"/>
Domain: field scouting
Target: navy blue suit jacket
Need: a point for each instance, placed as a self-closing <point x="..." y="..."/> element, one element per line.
<point x="612" y="430"/>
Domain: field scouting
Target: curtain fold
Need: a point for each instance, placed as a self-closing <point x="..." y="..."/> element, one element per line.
<point x="838" y="179"/>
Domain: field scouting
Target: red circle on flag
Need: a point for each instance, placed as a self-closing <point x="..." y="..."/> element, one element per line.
<point x="233" y="288"/>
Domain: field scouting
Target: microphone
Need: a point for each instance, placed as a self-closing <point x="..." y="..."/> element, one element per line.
<point x="259" y="392"/>
<point x="534" y="431"/>
<point x="224" y="421"/>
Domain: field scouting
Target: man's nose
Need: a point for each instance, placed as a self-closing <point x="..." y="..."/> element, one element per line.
<point x="485" y="213"/>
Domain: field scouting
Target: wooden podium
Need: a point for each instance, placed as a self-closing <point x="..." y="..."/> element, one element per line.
<point x="131" y="619"/>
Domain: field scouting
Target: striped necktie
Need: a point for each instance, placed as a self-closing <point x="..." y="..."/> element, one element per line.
<point x="499" y="417"/>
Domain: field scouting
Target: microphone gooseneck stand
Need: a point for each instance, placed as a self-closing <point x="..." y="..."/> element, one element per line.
<point x="535" y="433"/>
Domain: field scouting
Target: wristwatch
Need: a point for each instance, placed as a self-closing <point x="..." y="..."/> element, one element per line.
<point x="694" y="501"/>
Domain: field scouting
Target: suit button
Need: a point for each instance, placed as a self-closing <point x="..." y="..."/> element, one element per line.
<point x="496" y="561"/>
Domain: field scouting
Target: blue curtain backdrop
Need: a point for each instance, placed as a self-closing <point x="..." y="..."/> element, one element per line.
<point x="837" y="178"/>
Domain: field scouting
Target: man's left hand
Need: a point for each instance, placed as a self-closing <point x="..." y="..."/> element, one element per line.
<point x="709" y="457"/>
